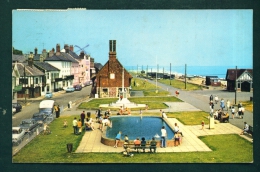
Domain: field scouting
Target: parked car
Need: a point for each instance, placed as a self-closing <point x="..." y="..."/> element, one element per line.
<point x="48" y="95"/>
<point x="78" y="87"/>
<point x="46" y="106"/>
<point x="29" y="125"/>
<point x="70" y="89"/>
<point x="17" y="135"/>
<point x="88" y="83"/>
<point x="17" y="106"/>
<point x="40" y="117"/>
<point x="14" y="110"/>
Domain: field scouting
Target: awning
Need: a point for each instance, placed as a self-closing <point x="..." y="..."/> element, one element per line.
<point x="18" y="88"/>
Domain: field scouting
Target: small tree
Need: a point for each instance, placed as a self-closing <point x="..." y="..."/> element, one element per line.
<point x="17" y="52"/>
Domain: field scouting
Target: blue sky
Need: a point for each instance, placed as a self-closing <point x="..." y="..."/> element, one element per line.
<point x="144" y="37"/>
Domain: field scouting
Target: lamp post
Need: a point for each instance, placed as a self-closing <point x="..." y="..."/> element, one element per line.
<point x="24" y="83"/>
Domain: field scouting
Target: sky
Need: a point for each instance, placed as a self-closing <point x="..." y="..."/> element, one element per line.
<point x="144" y="37"/>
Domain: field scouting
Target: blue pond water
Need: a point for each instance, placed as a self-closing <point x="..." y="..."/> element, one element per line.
<point x="135" y="127"/>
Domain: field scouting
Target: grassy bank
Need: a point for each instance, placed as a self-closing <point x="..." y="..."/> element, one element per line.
<point x="180" y="84"/>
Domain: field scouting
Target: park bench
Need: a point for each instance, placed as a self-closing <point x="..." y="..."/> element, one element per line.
<point x="137" y="148"/>
<point x="250" y="130"/>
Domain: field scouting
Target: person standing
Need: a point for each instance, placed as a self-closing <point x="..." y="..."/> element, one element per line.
<point x="82" y="117"/>
<point x="222" y="104"/>
<point x="99" y="112"/>
<point x="233" y="112"/>
<point x="79" y="125"/>
<point x="56" y="111"/>
<point x="216" y="99"/>
<point x="228" y="105"/>
<point x="118" y="137"/>
<point x="202" y="125"/>
<point x="75" y="124"/>
<point x="211" y="98"/>
<point x="163" y="137"/>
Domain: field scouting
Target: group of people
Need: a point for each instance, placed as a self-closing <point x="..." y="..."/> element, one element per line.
<point x="80" y="123"/>
<point x="225" y="107"/>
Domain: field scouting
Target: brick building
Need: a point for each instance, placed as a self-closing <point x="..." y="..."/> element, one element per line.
<point x="242" y="79"/>
<point x="108" y="81"/>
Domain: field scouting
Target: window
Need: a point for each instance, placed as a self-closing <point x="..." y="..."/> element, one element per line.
<point x="36" y="80"/>
<point x="112" y="76"/>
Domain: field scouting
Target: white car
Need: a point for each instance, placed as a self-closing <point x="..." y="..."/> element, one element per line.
<point x="17" y="135"/>
<point x="14" y="110"/>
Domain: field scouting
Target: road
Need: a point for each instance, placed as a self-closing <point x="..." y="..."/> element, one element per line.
<point x="200" y="99"/>
<point x="61" y="99"/>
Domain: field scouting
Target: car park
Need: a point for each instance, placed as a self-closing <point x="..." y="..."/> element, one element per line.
<point x="78" y="87"/>
<point x="48" y="95"/>
<point x="17" y="135"/>
<point x="17" y="106"/>
<point x="70" y="89"/>
<point x="29" y="125"/>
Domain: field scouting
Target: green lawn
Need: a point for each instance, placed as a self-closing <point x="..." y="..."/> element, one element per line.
<point x="52" y="149"/>
<point x="147" y="88"/>
<point x="180" y="84"/>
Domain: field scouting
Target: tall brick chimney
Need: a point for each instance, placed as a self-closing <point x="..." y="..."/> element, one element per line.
<point x="81" y="54"/>
<point x="30" y="59"/>
<point x="71" y="48"/>
<point x="66" y="47"/>
<point x="58" y="49"/>
<point x="51" y="53"/>
<point x="35" y="51"/>
<point x="112" y="49"/>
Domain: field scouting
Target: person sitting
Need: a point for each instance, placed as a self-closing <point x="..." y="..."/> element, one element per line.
<point x="224" y="117"/>
<point x="143" y="144"/>
<point x="46" y="129"/>
<point x="246" y="128"/>
<point x="177" y="138"/>
<point x="137" y="144"/>
<point x="127" y="149"/>
<point x="177" y="129"/>
<point x="215" y="114"/>
<point x="153" y="144"/>
<point x="65" y="123"/>
<point x="220" y="113"/>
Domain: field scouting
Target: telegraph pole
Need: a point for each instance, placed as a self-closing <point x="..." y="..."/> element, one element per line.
<point x="170" y="74"/>
<point x="236" y="87"/>
<point x="185" y="76"/>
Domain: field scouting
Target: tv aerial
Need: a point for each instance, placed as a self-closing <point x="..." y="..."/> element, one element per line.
<point x="81" y="49"/>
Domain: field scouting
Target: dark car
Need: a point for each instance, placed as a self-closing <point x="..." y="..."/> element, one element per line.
<point x="17" y="106"/>
<point x="77" y="87"/>
<point x="40" y="117"/>
<point x="29" y="125"/>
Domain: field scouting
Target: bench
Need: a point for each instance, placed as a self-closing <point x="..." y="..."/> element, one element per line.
<point x="250" y="130"/>
<point x="132" y="147"/>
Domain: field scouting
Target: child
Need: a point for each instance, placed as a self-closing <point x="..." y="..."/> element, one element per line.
<point x="202" y="125"/>
<point x="126" y="139"/>
<point x="65" y="124"/>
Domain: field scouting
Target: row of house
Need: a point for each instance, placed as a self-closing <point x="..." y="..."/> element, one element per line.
<point x="34" y="74"/>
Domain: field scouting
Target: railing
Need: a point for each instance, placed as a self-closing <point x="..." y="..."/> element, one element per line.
<point x="17" y="146"/>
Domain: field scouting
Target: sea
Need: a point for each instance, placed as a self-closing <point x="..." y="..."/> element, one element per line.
<point x="201" y="71"/>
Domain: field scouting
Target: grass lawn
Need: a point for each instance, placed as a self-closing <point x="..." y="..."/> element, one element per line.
<point x="180" y="84"/>
<point x="148" y="89"/>
<point x="52" y="149"/>
<point x="152" y="102"/>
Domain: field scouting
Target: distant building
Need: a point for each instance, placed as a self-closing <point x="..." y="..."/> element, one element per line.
<point x="213" y="81"/>
<point x="242" y="79"/>
<point x="108" y="82"/>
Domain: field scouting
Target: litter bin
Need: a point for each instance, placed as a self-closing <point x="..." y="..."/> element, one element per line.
<point x="88" y="114"/>
<point x="69" y="147"/>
